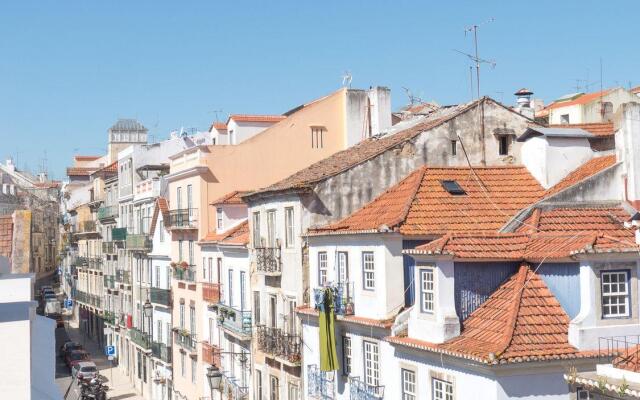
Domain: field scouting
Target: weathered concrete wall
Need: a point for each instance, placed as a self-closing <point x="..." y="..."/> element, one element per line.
<point x="343" y="194"/>
<point x="21" y="254"/>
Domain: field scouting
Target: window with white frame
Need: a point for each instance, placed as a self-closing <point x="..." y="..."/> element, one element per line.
<point x="322" y="268"/>
<point x="219" y="217"/>
<point x="371" y="364"/>
<point x="258" y="384"/>
<point x="256" y="230"/>
<point x="194" y="367"/>
<point x="368" y="271"/>
<point x="183" y="368"/>
<point x="271" y="228"/>
<point x="427" y="292"/>
<point x="615" y="293"/>
<point x="442" y="390"/>
<point x="346" y="355"/>
<point x="408" y="384"/>
<point x="294" y="391"/>
<point x="274" y="388"/>
<point x="182" y="315"/>
<point x="288" y="227"/>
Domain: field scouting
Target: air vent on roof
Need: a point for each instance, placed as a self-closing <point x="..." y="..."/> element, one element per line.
<point x="453" y="187"/>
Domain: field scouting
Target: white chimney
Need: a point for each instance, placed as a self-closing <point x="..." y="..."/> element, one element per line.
<point x="10" y="166"/>
<point x="628" y="150"/>
<point x="380" y="109"/>
<point x="523" y="102"/>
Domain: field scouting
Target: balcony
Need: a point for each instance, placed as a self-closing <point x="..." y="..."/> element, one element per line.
<point x="359" y="390"/>
<point x="109" y="281"/>
<point x="342" y="297"/>
<point x="185" y="339"/>
<point x="139" y="242"/>
<point x="160" y="296"/>
<point x="186" y="218"/>
<point x="107" y="213"/>
<point x="140" y="338"/>
<point x="111" y="247"/>
<point x="279" y="344"/>
<point x="185" y="274"/>
<point x="232" y="387"/>
<point x="119" y="234"/>
<point x="211" y="292"/>
<point x="620" y="351"/>
<point x="109" y="317"/>
<point x="161" y="351"/>
<point x="320" y="385"/>
<point x="123" y="276"/>
<point x="87" y="227"/>
<point x="268" y="260"/>
<point x="211" y="354"/>
<point x="237" y="322"/>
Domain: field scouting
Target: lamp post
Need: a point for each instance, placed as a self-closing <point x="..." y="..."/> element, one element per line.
<point x="214" y="376"/>
<point x="147" y="311"/>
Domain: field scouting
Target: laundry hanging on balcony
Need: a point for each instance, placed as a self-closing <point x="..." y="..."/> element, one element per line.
<point x="328" y="352"/>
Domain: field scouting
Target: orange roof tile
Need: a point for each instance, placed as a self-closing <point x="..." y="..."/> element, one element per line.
<point x="598" y="128"/>
<point x="419" y="205"/>
<point x="80" y="171"/>
<point x="584" y="99"/>
<point x="86" y="158"/>
<point x="520" y="321"/>
<point x="604" y="219"/>
<point x="238" y="235"/>
<point x="629" y="358"/>
<point x="581" y="173"/>
<point x="255" y="118"/>
<point x="221" y="126"/>
<point x="162" y="206"/>
<point x="234" y="197"/>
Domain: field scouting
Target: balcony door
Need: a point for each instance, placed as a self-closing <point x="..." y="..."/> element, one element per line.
<point x="273" y="311"/>
<point x="342" y="273"/>
<point x="291" y="316"/>
<point x="271" y="228"/>
<point x="190" y="201"/>
<point x="210" y="270"/>
<point x="243" y="284"/>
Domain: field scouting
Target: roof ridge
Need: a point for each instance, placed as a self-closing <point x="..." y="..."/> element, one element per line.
<point x="410" y="199"/>
<point x="521" y="282"/>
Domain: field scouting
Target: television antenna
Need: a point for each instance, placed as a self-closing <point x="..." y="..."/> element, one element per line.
<point x="413" y="99"/>
<point x="346" y="79"/>
<point x="476" y="57"/>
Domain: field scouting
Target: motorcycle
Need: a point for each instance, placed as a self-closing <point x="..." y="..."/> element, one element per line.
<point x="93" y="390"/>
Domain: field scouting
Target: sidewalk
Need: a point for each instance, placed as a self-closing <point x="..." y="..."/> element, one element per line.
<point x="119" y="386"/>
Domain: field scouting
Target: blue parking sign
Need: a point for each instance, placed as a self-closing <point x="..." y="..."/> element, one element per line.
<point x="68" y="303"/>
<point x="110" y="350"/>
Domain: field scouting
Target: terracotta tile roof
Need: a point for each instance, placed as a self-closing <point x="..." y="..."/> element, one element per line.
<point x="376" y="323"/>
<point x="635" y="90"/>
<point x="6" y="236"/>
<point x="583" y="99"/>
<point x="234" y="197"/>
<point x="162" y="206"/>
<point x="419" y="204"/>
<point x="238" y="235"/>
<point x="581" y="173"/>
<point x="255" y="118"/>
<point x="86" y="158"/>
<point x="221" y="126"/>
<point x="605" y="219"/>
<point x="364" y="151"/>
<point x="521" y="321"/>
<point x="109" y="170"/>
<point x="48" y="185"/>
<point x="598" y="129"/>
<point x="629" y="358"/>
<point x="80" y="171"/>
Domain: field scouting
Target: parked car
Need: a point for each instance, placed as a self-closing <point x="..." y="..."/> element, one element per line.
<point x="84" y="370"/>
<point x="69" y="346"/>
<point x="50" y="296"/>
<point x="75" y="357"/>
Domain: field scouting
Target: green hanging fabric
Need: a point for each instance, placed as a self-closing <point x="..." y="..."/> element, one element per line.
<point x="328" y="352"/>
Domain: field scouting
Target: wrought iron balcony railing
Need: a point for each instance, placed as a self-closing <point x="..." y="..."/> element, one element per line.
<point x="211" y="354"/>
<point x="185" y="218"/>
<point x="232" y="387"/>
<point x="276" y="342"/>
<point x="211" y="292"/>
<point x="109" y="247"/>
<point x="234" y="320"/>
<point x="321" y="384"/>
<point x="161" y="351"/>
<point x="107" y="212"/>
<point x="342" y="293"/>
<point x="160" y="296"/>
<point x="139" y="242"/>
<point x="123" y="276"/>
<point x="109" y="317"/>
<point x="185" y="339"/>
<point x="359" y="390"/>
<point x="140" y="338"/>
<point x="268" y="260"/>
<point x="185" y="274"/>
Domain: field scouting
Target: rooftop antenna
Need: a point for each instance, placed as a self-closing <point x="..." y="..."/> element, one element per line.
<point x="413" y="99"/>
<point x="346" y="79"/>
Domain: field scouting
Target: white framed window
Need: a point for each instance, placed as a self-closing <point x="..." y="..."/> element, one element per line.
<point x="371" y="364"/>
<point x="192" y="320"/>
<point x="219" y="217"/>
<point x="322" y="268"/>
<point x="288" y="227"/>
<point x="182" y="315"/>
<point x="346" y="355"/>
<point x="183" y="367"/>
<point x="256" y="230"/>
<point x="343" y="267"/>
<point x="408" y="384"/>
<point x="294" y="392"/>
<point x="368" y="271"/>
<point x="258" y="384"/>
<point x="442" y="390"/>
<point x="271" y="228"/>
<point x="615" y="293"/>
<point x="194" y="368"/>
<point x="427" y="291"/>
<point x="583" y="394"/>
<point x="274" y="388"/>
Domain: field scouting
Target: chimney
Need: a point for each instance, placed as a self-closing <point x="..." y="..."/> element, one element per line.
<point x="10" y="166"/>
<point x="628" y="150"/>
<point x="380" y="109"/>
<point x="523" y="102"/>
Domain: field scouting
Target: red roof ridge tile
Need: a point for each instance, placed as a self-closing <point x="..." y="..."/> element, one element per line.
<point x="521" y="281"/>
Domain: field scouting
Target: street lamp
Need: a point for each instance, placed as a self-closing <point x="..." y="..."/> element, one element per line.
<point x="214" y="376"/>
<point x="147" y="310"/>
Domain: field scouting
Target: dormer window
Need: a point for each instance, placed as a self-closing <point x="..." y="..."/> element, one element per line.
<point x="427" y="290"/>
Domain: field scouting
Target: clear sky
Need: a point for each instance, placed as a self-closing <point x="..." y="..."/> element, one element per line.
<point x="69" y="69"/>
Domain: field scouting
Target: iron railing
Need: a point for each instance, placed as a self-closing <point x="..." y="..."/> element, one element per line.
<point x="359" y="390"/>
<point x="622" y="351"/>
<point x="107" y="212"/>
<point x="211" y="292"/>
<point x="186" y="339"/>
<point x="342" y="293"/>
<point x="139" y="242"/>
<point x="234" y="320"/>
<point x="185" y="218"/>
<point x="268" y="260"/>
<point x="123" y="276"/>
<point x="161" y="351"/>
<point x="232" y="388"/>
<point x="185" y="274"/>
<point x="140" y="338"/>
<point x="276" y="342"/>
<point x="87" y="227"/>
<point x="321" y="384"/>
<point x="160" y="296"/>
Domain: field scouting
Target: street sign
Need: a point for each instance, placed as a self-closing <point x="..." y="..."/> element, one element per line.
<point x="111" y="358"/>
<point x="110" y="351"/>
<point x="68" y="303"/>
<point x="107" y="331"/>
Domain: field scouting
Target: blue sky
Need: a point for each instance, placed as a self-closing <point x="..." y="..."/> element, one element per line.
<point x="69" y="69"/>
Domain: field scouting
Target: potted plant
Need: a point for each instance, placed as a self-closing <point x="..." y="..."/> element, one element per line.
<point x="173" y="264"/>
<point x="184" y="264"/>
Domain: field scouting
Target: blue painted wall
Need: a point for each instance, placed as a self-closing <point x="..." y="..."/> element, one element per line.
<point x="409" y="267"/>
<point x="563" y="279"/>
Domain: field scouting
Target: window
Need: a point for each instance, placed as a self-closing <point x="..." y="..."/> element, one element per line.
<point x="210" y="271"/>
<point x="192" y="320"/>
<point x="322" y="268"/>
<point x="427" y="292"/>
<point x="343" y="267"/>
<point x="194" y="367"/>
<point x="161" y="228"/>
<point x="408" y="384"/>
<point x="258" y="384"/>
<point x="294" y="392"/>
<point x="454" y="147"/>
<point x="346" y="355"/>
<point x="191" y="261"/>
<point x="182" y="315"/>
<point x="189" y="198"/>
<point x="183" y="368"/>
<point x="371" y="366"/>
<point x="243" y="284"/>
<point x="159" y="338"/>
<point x="180" y="251"/>
<point x="503" y="149"/>
<point x="615" y="294"/>
<point x="179" y="197"/>
<point x="291" y="316"/>
<point x="564" y="119"/>
<point x="368" y="271"/>
<point x="442" y="390"/>
<point x="256" y="307"/>
<point x="317" y="137"/>
<point x="288" y="227"/>
<point x="256" y="230"/>
<point x="453" y="187"/>
<point x="157" y="276"/>
<point x="271" y="228"/>
<point x="275" y="388"/>
<point x="583" y="394"/>
<point x="273" y="311"/>
<point x="219" y="217"/>
<point x="230" y="287"/>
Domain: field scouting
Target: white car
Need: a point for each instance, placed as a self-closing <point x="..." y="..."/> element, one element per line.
<point x="84" y="370"/>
